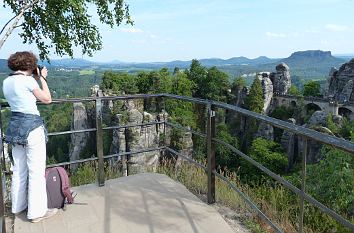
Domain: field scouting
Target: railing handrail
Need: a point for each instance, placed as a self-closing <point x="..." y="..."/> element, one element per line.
<point x="211" y="140"/>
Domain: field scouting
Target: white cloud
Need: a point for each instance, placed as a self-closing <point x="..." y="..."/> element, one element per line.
<point x="132" y="30"/>
<point x="337" y="28"/>
<point x="277" y="35"/>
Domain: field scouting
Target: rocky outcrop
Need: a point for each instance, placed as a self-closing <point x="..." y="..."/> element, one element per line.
<point x="267" y="88"/>
<point x="265" y="131"/>
<point x="118" y="144"/>
<point x="139" y="137"/>
<point x="78" y="140"/>
<point x="129" y="139"/>
<point x="340" y="83"/>
<point x="317" y="118"/>
<point x="281" y="79"/>
<point x="239" y="94"/>
<point x="347" y="92"/>
<point x="186" y="143"/>
<point x="318" y="122"/>
<point x="289" y="142"/>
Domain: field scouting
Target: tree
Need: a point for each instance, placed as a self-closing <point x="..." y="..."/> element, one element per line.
<point x="61" y="25"/>
<point x="216" y="86"/>
<point x="209" y="83"/>
<point x="225" y="158"/>
<point x="312" y="88"/>
<point x="255" y="101"/>
<point x="154" y="82"/>
<point x="269" y="153"/>
<point x="294" y="91"/>
<point x="239" y="83"/>
<point x="198" y="75"/>
<point x="119" y="83"/>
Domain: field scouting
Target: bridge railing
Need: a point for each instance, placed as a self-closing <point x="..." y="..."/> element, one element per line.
<point x="211" y="141"/>
<point x="315" y="99"/>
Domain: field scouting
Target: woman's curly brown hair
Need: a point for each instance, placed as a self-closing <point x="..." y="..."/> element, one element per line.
<point x="22" y="61"/>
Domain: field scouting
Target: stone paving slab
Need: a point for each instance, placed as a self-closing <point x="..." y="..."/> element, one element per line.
<point x="142" y="203"/>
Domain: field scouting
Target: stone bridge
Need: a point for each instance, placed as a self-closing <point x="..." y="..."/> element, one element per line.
<point x="316" y="103"/>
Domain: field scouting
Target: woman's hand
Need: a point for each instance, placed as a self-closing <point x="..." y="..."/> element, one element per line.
<point x="43" y="94"/>
<point x="43" y="72"/>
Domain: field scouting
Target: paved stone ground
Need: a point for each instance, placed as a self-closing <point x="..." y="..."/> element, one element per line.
<point x="148" y="202"/>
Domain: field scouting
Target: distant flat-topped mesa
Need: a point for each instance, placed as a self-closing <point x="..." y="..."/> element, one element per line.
<point x="312" y="53"/>
<point x="341" y="83"/>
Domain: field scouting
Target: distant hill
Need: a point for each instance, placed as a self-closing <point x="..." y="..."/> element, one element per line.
<point x="305" y="64"/>
<point x="312" y="63"/>
<point x="67" y="62"/>
<point x="238" y="61"/>
<point x="207" y="62"/>
<point x="312" y="57"/>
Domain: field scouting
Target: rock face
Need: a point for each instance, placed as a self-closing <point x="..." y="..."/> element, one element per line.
<point x="267" y="88"/>
<point x="187" y="146"/>
<point x="239" y="96"/>
<point x="118" y="137"/>
<point x="265" y="131"/>
<point x="347" y="91"/>
<point x="140" y="137"/>
<point x="318" y="120"/>
<point x="281" y="79"/>
<point x="340" y="83"/>
<point x="289" y="142"/>
<point x="78" y="140"/>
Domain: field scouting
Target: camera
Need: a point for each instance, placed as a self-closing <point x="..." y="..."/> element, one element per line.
<point x="35" y="70"/>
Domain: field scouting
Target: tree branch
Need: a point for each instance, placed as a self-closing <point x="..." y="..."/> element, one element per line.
<point x="7" y="24"/>
<point x="14" y="24"/>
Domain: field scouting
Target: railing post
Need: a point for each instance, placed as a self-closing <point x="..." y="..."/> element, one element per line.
<point x="303" y="185"/>
<point x="211" y="153"/>
<point x="2" y="180"/>
<point x="124" y="165"/>
<point x="99" y="142"/>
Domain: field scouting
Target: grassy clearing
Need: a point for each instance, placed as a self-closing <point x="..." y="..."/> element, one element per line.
<point x="87" y="72"/>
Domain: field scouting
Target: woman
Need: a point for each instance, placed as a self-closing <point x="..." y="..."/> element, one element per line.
<point x="27" y="134"/>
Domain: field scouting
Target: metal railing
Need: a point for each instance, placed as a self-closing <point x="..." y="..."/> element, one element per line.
<point x="211" y="141"/>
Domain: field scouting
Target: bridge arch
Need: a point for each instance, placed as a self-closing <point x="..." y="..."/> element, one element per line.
<point x="345" y="112"/>
<point x="293" y="104"/>
<point x="312" y="107"/>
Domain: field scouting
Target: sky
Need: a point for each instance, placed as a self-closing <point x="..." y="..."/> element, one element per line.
<point x="167" y="30"/>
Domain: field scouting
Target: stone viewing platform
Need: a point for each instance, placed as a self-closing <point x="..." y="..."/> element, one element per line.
<point x="147" y="202"/>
